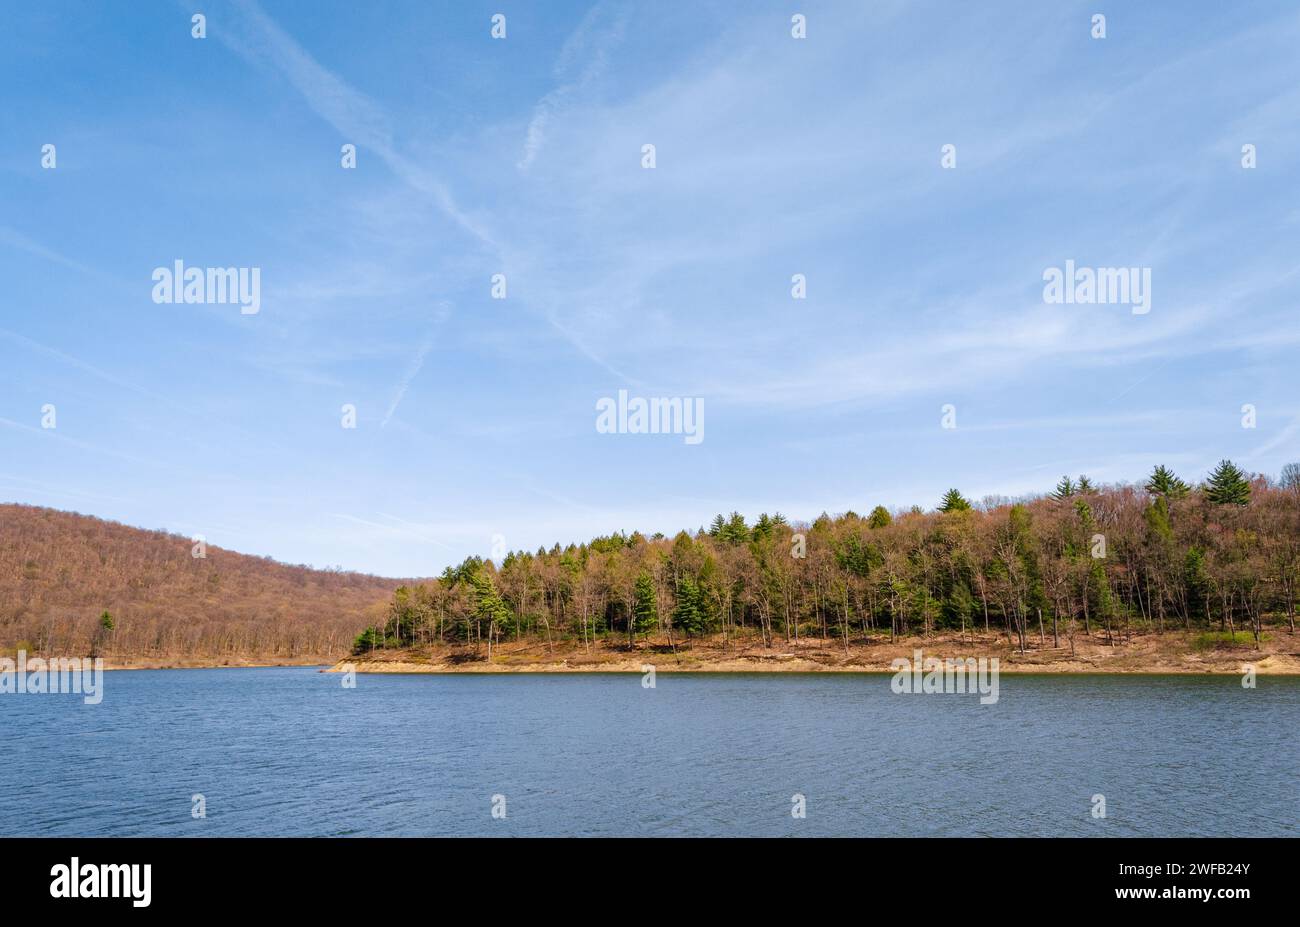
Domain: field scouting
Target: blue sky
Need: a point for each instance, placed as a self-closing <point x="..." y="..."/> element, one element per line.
<point x="522" y="156"/>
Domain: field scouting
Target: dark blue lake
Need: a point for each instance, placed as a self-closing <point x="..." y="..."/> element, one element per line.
<point x="292" y="752"/>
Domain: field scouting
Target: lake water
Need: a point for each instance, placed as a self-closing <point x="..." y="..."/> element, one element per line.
<point x="292" y="752"/>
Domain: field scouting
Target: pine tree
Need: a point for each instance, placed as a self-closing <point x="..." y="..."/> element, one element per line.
<point x="645" y="609"/>
<point x="1228" y="485"/>
<point x="367" y="641"/>
<point x="1084" y="487"/>
<point x="688" y="616"/>
<point x="732" y="530"/>
<point x="1064" y="489"/>
<point x="488" y="605"/>
<point x="1162" y="482"/>
<point x="953" y="501"/>
<point x="105" y="626"/>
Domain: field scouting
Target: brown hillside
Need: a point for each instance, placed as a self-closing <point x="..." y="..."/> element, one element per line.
<point x="59" y="571"/>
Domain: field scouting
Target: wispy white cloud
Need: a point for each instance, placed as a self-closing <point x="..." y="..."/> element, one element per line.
<point x="413" y="369"/>
<point x="257" y="37"/>
<point x="50" y="434"/>
<point x="582" y="61"/>
<point x="1286" y="437"/>
<point x="16" y="239"/>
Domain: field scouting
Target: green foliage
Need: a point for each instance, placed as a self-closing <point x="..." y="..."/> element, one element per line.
<point x="1228" y="485"/>
<point x="692" y="613"/>
<point x="106" y="621"/>
<point x="488" y="605"/>
<point x="764" y="527"/>
<point x="1098" y="590"/>
<point x="856" y="556"/>
<point x="645" y="607"/>
<point x="1064" y="489"/>
<point x="879" y="518"/>
<point x="611" y="544"/>
<point x="1157" y="519"/>
<point x="953" y="501"/>
<point x="731" y="530"/>
<point x="1162" y="482"/>
<point x="1223" y="640"/>
<point x="368" y="640"/>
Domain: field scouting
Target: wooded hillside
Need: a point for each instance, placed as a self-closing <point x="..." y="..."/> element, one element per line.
<point x="60" y="571"/>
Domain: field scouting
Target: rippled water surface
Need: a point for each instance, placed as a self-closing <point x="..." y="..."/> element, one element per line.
<point x="290" y="751"/>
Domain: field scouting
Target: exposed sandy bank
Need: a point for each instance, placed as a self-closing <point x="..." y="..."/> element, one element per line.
<point x="156" y="663"/>
<point x="1279" y="654"/>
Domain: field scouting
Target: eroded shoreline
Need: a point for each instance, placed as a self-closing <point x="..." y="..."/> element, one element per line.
<point x="1154" y="654"/>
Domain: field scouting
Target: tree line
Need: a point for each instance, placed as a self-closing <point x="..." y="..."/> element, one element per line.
<point x="1110" y="560"/>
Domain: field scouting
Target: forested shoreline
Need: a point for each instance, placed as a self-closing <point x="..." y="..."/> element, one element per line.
<point x="1081" y="562"/>
<point x="1219" y="556"/>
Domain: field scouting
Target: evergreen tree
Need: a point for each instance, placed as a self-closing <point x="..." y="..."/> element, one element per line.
<point x="1228" y="485"/>
<point x="105" y="626"/>
<point x="367" y="641"/>
<point x="488" y="605"/>
<point x="645" y="609"/>
<point x="1098" y="591"/>
<point x="732" y="530"/>
<point x="953" y="501"/>
<point x="1084" y="487"/>
<point x="879" y="517"/>
<point x="1157" y="518"/>
<point x="1064" y="489"/>
<point x="1162" y="482"/>
<point x="689" y="615"/>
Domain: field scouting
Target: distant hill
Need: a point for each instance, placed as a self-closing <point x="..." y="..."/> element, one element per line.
<point x="59" y="571"/>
